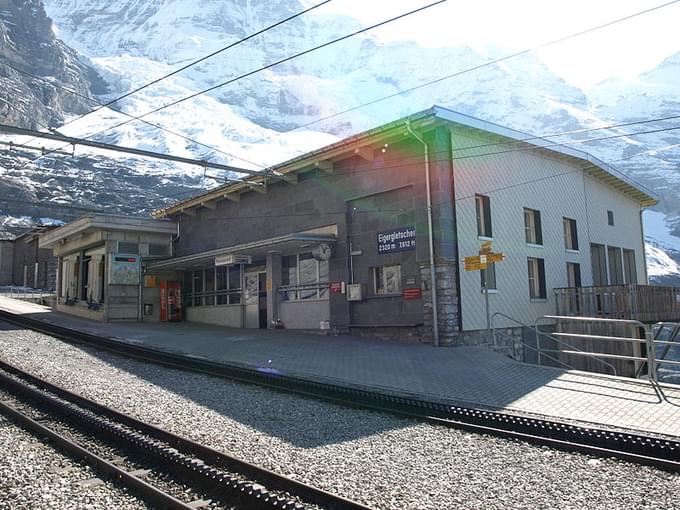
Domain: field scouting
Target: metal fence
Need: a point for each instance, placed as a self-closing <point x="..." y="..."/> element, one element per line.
<point x="646" y="303"/>
<point x="630" y="347"/>
<point x="38" y="296"/>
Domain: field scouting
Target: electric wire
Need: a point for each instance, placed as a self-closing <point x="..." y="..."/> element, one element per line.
<point x="202" y="59"/>
<point x="555" y="41"/>
<point x="94" y="101"/>
<point x="481" y="66"/>
<point x="250" y="73"/>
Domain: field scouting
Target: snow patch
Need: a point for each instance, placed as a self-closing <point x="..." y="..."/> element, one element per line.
<point x="659" y="262"/>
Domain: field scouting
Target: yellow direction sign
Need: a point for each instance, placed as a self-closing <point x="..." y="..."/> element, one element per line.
<point x="478" y="262"/>
<point x="474" y="267"/>
<point x="495" y="257"/>
<point x="485" y="248"/>
<point x="472" y="260"/>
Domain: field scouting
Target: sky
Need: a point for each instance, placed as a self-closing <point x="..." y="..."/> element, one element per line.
<point x="622" y="50"/>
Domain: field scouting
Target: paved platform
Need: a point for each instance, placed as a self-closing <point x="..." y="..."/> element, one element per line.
<point x="459" y="375"/>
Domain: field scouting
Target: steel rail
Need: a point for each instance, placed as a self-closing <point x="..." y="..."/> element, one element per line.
<point x="633" y="446"/>
<point x="211" y="460"/>
<point x="146" y="490"/>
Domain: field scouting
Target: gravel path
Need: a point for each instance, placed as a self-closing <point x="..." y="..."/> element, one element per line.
<point x="379" y="460"/>
<point x="33" y="475"/>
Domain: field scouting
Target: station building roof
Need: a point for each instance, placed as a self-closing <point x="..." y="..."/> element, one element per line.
<point x="95" y="222"/>
<point x="364" y="143"/>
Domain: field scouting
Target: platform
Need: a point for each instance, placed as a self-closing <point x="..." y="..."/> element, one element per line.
<point x="472" y="376"/>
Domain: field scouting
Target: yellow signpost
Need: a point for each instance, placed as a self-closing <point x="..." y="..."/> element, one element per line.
<point x="477" y="263"/>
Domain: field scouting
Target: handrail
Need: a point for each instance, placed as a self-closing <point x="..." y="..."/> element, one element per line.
<point x="493" y="334"/>
<point x="567" y="344"/>
<point x="596" y="355"/>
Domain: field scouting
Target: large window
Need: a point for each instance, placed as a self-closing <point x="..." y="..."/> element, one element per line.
<point x="532" y="226"/>
<point x="536" y="268"/>
<point x="629" y="268"/>
<point x="488" y="275"/>
<point x="386" y="280"/>
<point x="483" y="209"/>
<point x="615" y="265"/>
<point x="304" y="277"/>
<point x="214" y="286"/>
<point x="570" y="234"/>
<point x="598" y="259"/>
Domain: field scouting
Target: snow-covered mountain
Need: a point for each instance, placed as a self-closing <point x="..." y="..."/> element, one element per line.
<point x="251" y="122"/>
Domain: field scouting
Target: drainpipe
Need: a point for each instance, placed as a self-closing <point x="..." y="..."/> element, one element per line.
<point x="435" y="322"/>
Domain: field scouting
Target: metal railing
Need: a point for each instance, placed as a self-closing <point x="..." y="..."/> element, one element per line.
<point x="666" y="342"/>
<point x="648" y="303"/>
<point x="38" y="296"/>
<point x="627" y="324"/>
<point x="540" y="353"/>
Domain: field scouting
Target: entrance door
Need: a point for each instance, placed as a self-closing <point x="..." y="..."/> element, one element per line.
<point x="255" y="300"/>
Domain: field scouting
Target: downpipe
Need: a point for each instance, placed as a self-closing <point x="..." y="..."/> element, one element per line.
<point x="433" y="281"/>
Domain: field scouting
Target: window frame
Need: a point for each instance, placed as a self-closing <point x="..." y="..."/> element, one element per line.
<point x="570" y="233"/>
<point x="610" y="218"/>
<point x="537" y="284"/>
<point x="297" y="294"/>
<point x="533" y="231"/>
<point x="374" y="273"/>
<point x="630" y="278"/>
<point x="615" y="265"/>
<point x="483" y="215"/>
<point x="492" y="286"/>
<point x="575" y="268"/>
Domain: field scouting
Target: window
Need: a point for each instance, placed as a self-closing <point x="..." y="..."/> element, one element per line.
<point x="210" y="287"/>
<point x="483" y="208"/>
<point x="629" y="268"/>
<point x="610" y="218"/>
<point x="304" y="277"/>
<point x="573" y="275"/>
<point x="536" y="278"/>
<point x="598" y="259"/>
<point x="197" y="287"/>
<point x="615" y="266"/>
<point x="158" y="250"/>
<point x="386" y="280"/>
<point x="128" y="247"/>
<point x="570" y="234"/>
<point x="490" y="273"/>
<point x="532" y="226"/>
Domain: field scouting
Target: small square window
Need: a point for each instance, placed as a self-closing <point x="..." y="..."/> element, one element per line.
<point x="386" y="280"/>
<point x="610" y="218"/>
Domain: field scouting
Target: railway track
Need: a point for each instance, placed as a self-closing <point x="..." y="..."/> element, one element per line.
<point x="634" y="447"/>
<point x="166" y="470"/>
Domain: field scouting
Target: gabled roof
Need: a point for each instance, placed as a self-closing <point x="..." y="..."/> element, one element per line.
<point x="323" y="159"/>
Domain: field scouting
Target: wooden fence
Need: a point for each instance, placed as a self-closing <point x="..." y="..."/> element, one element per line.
<point x="645" y="303"/>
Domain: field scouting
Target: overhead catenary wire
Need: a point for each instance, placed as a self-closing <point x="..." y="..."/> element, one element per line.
<point x="521" y="149"/>
<point x="92" y="100"/>
<point x="202" y="59"/>
<point x="555" y="41"/>
<point x="482" y="65"/>
<point x="268" y="66"/>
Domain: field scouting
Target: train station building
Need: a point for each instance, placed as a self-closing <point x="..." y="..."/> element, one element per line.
<point x="370" y="235"/>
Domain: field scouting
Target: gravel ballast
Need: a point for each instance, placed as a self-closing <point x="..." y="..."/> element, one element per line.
<point x="380" y="460"/>
<point x="34" y="475"/>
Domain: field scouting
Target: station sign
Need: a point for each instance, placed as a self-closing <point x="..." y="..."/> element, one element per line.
<point x="399" y="239"/>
